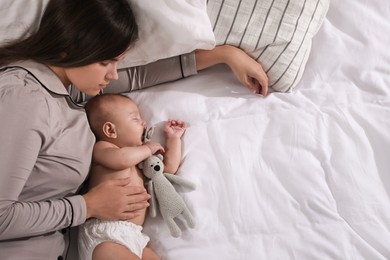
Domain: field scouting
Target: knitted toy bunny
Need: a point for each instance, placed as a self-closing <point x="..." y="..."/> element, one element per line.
<point x="163" y="193"/>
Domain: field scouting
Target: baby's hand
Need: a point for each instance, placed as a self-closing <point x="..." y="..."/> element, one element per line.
<point x="174" y="128"/>
<point x="155" y="147"/>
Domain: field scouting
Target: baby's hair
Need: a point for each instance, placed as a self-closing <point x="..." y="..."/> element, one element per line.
<point x="99" y="110"/>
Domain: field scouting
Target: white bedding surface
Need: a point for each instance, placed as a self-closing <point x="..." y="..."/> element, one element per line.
<point x="303" y="175"/>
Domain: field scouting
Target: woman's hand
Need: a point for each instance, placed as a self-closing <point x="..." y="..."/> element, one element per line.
<point x="116" y="200"/>
<point x="247" y="70"/>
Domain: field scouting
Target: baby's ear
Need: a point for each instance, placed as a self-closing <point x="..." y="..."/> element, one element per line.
<point x="109" y="130"/>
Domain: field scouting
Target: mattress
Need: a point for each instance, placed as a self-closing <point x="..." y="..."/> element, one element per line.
<point x="300" y="175"/>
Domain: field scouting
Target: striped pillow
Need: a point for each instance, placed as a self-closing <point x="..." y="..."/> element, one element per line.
<point x="277" y="33"/>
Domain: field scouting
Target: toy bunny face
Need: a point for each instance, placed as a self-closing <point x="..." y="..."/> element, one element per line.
<point x="153" y="166"/>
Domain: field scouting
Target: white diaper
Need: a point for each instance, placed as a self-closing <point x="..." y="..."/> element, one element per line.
<point x="95" y="231"/>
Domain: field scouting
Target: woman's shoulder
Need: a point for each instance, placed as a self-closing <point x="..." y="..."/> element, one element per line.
<point x="22" y="104"/>
<point x="17" y="85"/>
<point x="10" y="74"/>
<point x="21" y="93"/>
<point x="31" y="76"/>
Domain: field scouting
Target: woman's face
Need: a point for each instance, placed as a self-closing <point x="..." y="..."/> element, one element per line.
<point x="92" y="78"/>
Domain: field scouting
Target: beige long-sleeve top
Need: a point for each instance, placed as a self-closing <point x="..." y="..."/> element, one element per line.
<point x="45" y="153"/>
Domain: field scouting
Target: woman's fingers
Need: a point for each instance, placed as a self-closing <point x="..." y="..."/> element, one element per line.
<point x="130" y="215"/>
<point x="262" y="80"/>
<point x="112" y="199"/>
<point x="136" y="195"/>
<point x="261" y="87"/>
<point x="136" y="207"/>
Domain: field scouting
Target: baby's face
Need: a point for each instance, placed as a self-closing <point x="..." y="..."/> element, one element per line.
<point x="130" y="125"/>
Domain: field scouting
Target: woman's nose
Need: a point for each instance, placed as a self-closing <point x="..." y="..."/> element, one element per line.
<point x="112" y="75"/>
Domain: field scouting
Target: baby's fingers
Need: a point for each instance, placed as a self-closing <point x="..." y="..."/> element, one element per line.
<point x="177" y="123"/>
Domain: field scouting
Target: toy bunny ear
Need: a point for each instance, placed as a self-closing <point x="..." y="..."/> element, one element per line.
<point x="148" y="134"/>
<point x="153" y="202"/>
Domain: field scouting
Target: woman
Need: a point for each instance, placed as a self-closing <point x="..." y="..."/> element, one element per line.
<point x="47" y="155"/>
<point x="45" y="138"/>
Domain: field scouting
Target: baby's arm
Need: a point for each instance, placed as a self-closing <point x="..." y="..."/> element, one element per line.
<point x="116" y="158"/>
<point x="174" y="130"/>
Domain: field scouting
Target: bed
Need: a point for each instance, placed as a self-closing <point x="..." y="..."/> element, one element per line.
<point x="296" y="175"/>
<point x="302" y="173"/>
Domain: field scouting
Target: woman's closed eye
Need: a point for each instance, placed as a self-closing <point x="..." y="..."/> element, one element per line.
<point x="104" y="63"/>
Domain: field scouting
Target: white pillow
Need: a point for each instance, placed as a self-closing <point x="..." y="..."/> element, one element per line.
<point x="169" y="28"/>
<point x="166" y="27"/>
<point x="277" y="34"/>
<point x="19" y="17"/>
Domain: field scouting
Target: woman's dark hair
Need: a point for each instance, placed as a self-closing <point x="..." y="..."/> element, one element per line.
<point x="75" y="33"/>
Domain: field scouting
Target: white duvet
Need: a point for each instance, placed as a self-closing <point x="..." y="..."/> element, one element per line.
<point x="303" y="175"/>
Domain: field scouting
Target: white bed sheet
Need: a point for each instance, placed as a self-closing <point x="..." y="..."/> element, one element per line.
<point x="303" y="175"/>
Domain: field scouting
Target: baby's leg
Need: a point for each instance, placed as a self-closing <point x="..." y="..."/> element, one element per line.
<point x="111" y="250"/>
<point x="149" y="254"/>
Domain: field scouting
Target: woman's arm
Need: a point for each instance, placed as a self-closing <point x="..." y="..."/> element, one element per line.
<point x="161" y="71"/>
<point x="24" y="114"/>
<point x="246" y="69"/>
<point x="22" y="218"/>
